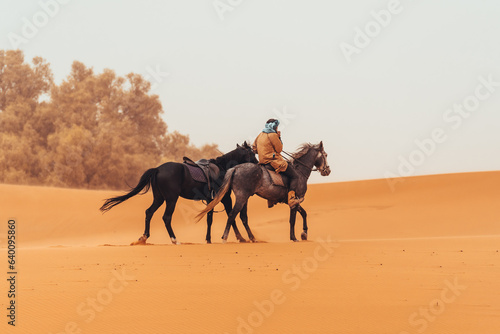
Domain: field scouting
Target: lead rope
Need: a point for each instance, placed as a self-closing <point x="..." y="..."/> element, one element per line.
<point x="212" y="193"/>
<point x="204" y="201"/>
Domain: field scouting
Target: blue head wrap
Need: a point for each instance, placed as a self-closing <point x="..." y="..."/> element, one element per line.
<point x="271" y="127"/>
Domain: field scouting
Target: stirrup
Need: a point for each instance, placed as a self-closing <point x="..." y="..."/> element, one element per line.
<point x="294" y="202"/>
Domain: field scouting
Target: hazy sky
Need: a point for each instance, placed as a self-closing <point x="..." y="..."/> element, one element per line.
<point x="391" y="87"/>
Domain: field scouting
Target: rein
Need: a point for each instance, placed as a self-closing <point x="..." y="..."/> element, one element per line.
<point x="303" y="164"/>
<point x="300" y="162"/>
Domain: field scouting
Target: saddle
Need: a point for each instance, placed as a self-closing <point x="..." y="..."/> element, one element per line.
<point x="210" y="170"/>
<point x="276" y="178"/>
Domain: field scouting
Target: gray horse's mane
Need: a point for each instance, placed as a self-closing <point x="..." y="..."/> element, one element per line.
<point x="303" y="149"/>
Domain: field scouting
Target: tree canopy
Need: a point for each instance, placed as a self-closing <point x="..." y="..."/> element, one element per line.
<point x="97" y="131"/>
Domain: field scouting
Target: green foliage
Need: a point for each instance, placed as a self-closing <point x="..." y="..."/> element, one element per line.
<point x="96" y="131"/>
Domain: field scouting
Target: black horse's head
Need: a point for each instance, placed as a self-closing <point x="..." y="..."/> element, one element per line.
<point x="240" y="155"/>
<point x="246" y="153"/>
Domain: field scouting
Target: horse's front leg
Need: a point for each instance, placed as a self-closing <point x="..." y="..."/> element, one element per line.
<point x="293" y="216"/>
<point x="303" y="213"/>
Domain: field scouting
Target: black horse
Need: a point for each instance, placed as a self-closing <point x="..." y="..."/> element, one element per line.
<point x="246" y="180"/>
<point x="173" y="179"/>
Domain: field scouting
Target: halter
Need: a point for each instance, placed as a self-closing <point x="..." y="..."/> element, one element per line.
<point x="325" y="164"/>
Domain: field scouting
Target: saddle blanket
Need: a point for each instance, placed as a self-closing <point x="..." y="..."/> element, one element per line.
<point x="196" y="173"/>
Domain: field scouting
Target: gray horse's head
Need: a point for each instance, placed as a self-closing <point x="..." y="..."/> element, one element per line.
<point x="321" y="162"/>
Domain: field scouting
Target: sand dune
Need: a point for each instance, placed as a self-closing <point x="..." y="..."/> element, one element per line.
<point x="421" y="259"/>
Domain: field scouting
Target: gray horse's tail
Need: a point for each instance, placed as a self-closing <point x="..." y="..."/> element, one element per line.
<point x="226" y="185"/>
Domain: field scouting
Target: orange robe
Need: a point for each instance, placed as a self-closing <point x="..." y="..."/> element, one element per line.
<point x="269" y="146"/>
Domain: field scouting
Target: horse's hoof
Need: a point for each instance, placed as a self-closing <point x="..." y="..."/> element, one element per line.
<point x="140" y="241"/>
<point x="253" y="240"/>
<point x="242" y="240"/>
<point x="209" y="242"/>
<point x="303" y="236"/>
<point x="175" y="242"/>
<point x="294" y="240"/>
<point x="224" y="241"/>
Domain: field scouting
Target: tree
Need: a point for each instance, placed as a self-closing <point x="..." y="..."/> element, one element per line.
<point x="108" y="129"/>
<point x="20" y="82"/>
<point x="21" y="87"/>
<point x="91" y="131"/>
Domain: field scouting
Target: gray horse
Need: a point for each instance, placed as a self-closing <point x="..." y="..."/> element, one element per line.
<point x="249" y="179"/>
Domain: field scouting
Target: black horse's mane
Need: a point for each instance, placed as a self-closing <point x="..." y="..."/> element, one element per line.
<point x="227" y="159"/>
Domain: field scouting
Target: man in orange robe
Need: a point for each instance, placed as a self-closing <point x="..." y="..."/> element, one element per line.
<point x="268" y="146"/>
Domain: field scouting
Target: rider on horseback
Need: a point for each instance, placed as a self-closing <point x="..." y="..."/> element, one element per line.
<point x="268" y="146"/>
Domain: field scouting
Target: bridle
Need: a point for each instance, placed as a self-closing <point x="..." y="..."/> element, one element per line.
<point x="324" y="165"/>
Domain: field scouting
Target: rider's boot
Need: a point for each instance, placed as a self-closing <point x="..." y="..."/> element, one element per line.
<point x="292" y="200"/>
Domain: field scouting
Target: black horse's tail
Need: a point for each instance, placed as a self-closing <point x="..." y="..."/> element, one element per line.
<point x="224" y="188"/>
<point x="147" y="179"/>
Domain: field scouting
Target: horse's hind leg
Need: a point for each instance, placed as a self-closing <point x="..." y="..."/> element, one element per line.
<point x="231" y="218"/>
<point x="303" y="213"/>
<point x="227" y="202"/>
<point x="157" y="202"/>
<point x="244" y="219"/>
<point x="167" y="219"/>
<point x="293" y="216"/>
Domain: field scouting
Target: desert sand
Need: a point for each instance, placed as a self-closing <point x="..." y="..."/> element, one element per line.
<point x="423" y="258"/>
